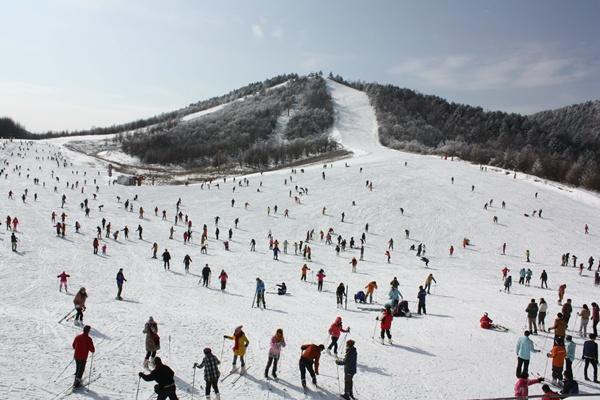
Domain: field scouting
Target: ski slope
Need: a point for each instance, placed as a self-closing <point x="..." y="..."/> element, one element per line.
<point x="441" y="355"/>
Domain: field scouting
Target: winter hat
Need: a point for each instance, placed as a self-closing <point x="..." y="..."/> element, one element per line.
<point x="238" y="329"/>
<point x="527" y="333"/>
<point x="321" y="347"/>
<point x="350" y="343"/>
<point x="207" y="350"/>
<point x="86" y="329"/>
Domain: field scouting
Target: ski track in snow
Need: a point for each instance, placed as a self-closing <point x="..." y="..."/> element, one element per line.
<point x="439" y="356"/>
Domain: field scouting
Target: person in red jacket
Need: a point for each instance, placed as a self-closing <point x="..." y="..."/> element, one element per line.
<point x="386" y="323"/>
<point x="82" y="344"/>
<point x="335" y="330"/>
<point x="63" y="281"/>
<point x="311" y="353"/>
<point x="485" y="322"/>
<point x="522" y="385"/>
<point x="320" y="277"/>
<point x="223" y="278"/>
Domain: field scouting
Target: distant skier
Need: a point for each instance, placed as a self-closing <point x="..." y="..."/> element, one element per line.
<point x="507" y="284"/>
<point x="187" y="260"/>
<point x="63" y="281"/>
<point x="428" y="281"/>
<point x="303" y="270"/>
<point x="260" y="293"/>
<point x="223" y="279"/>
<point x="561" y="292"/>
<point x="544" y="279"/>
<point x="83" y="345"/>
<point x="524" y="349"/>
<point x="532" y="313"/>
<point x="205" y="275"/>
<point x="320" y="278"/>
<point x="386" y="323"/>
<point x="340" y="292"/>
<point x="421" y="296"/>
<point x="120" y="279"/>
<point x="166" y="256"/>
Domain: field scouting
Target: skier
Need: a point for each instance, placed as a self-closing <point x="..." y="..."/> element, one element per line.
<point x="304" y="270"/>
<point x="353" y="262"/>
<point x="386" y="323"/>
<point x="320" y="277"/>
<point x="311" y="353"/>
<point x="524" y="349"/>
<point x="595" y="317"/>
<point x="567" y="309"/>
<point x="187" y="260"/>
<point x="570" y="347"/>
<point x="527" y="255"/>
<point x="504" y="248"/>
<point x="544" y="279"/>
<point x="260" y="293"/>
<point x="507" y="284"/>
<point x="63" y="281"/>
<point x="339" y="294"/>
<point x="223" y="279"/>
<point x="252" y="245"/>
<point x="152" y="342"/>
<point x="485" y="322"/>
<point x="335" y="330"/>
<point x="349" y="362"/>
<point x="394" y="295"/>
<point x="277" y="342"/>
<point x="528" y="275"/>
<point x="166" y="256"/>
<point x="522" y="274"/>
<point x="139" y="230"/>
<point x="281" y="289"/>
<point x="371" y="287"/>
<point x="210" y="363"/>
<point x="532" y="311"/>
<point x="561" y="292"/>
<point x="95" y="245"/>
<point x="421" y="295"/>
<point x="388" y="255"/>
<point x="205" y="275"/>
<point x="505" y="272"/>
<point x="240" y="343"/>
<point x="522" y="385"/>
<point x="83" y="345"/>
<point x="558" y="355"/>
<point x="543" y="309"/>
<point x="451" y="250"/>
<point x="428" y="281"/>
<point x="79" y="302"/>
<point x="585" y="318"/>
<point x="559" y="327"/>
<point x="120" y="280"/>
<point x="590" y="356"/>
<point x="164" y="377"/>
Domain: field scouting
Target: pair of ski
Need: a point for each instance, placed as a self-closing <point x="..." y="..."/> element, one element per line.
<point x="72" y="389"/>
<point x="242" y="372"/>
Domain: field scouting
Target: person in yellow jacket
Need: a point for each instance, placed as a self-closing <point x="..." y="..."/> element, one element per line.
<point x="428" y="281"/>
<point x="371" y="287"/>
<point x="240" y="343"/>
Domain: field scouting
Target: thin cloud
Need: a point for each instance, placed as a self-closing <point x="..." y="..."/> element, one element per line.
<point x="278" y="33"/>
<point x="258" y="32"/>
<point x="523" y="69"/>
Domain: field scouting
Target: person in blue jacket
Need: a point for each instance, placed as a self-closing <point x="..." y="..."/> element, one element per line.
<point x="395" y="296"/>
<point x="524" y="349"/>
<point x="260" y="293"/>
<point x="421" y="296"/>
<point x="349" y="363"/>
<point x="570" y="347"/>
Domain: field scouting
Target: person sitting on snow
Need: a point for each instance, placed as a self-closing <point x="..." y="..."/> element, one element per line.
<point x="360" y="297"/>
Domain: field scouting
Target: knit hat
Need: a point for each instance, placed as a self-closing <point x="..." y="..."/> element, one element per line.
<point x="350" y="343"/>
<point x="207" y="350"/>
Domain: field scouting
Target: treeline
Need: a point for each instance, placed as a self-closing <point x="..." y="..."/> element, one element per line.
<point x="249" y="89"/>
<point x="244" y="133"/>
<point x="11" y="129"/>
<point x="561" y="145"/>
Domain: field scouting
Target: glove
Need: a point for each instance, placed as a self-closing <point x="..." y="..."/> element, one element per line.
<point x="376" y="318"/>
<point x="224" y="336"/>
<point x="195" y="365"/>
<point x="348" y="329"/>
<point x="541" y="379"/>
<point x="140" y="374"/>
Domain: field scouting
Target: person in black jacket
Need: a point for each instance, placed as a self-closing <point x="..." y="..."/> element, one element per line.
<point x="570" y="386"/>
<point x="590" y="355"/>
<point x="164" y="377"/>
<point x="349" y="363"/>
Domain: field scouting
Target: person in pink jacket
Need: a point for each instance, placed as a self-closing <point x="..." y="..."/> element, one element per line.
<point x="277" y="342"/>
<point x="522" y="385"/>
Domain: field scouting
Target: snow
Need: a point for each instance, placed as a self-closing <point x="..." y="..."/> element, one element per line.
<point x="438" y="356"/>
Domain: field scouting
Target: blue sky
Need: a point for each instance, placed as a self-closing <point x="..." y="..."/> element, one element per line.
<point x="73" y="64"/>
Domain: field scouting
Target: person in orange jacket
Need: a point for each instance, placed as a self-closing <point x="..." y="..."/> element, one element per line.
<point x="311" y="353"/>
<point x="371" y="287"/>
<point x="558" y="355"/>
<point x="304" y="270"/>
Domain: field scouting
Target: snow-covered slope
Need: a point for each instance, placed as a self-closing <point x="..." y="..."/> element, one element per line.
<point x="438" y="356"/>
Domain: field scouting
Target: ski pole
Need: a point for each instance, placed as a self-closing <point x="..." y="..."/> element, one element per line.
<point x="169" y="348"/>
<point x="90" y="374"/>
<point x="222" y="348"/>
<point x="337" y="370"/>
<point x="65" y="317"/>
<point x="193" y="381"/>
<point x="63" y="371"/>
<point x="137" y="392"/>
<point x="374" y="330"/>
